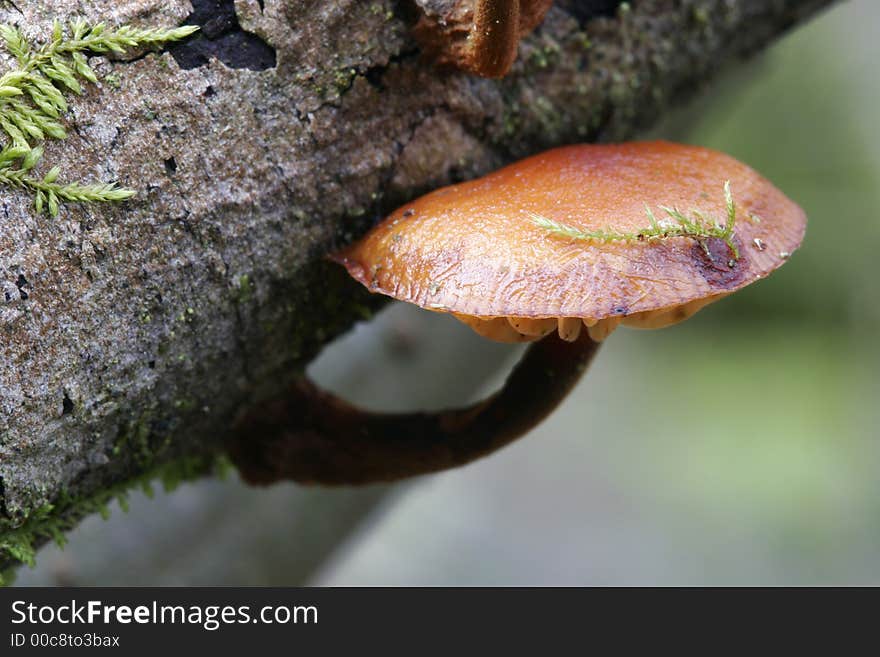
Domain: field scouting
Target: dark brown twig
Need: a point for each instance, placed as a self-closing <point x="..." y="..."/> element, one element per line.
<point x="311" y="436"/>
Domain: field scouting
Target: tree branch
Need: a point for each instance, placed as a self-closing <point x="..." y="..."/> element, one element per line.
<point x="133" y="335"/>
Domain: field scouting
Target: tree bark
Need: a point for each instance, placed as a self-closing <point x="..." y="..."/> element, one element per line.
<point x="132" y="335"/>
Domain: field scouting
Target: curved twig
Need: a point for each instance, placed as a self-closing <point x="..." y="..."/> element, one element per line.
<point x="311" y="436"/>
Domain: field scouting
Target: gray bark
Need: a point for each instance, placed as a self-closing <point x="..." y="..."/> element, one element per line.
<point x="133" y="334"/>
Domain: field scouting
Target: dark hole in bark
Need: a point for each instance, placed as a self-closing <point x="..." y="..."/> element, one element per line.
<point x="20" y="283"/>
<point x="407" y="10"/>
<point x="66" y="405"/>
<point x="170" y="165"/>
<point x="222" y="37"/>
<point x="374" y="76"/>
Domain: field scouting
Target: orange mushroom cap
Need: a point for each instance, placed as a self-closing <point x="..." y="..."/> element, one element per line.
<point x="476" y="250"/>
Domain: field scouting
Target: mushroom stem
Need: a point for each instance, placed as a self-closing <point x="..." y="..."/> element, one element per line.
<point x="312" y="436"/>
<point x="479" y="36"/>
<point x="494" y="37"/>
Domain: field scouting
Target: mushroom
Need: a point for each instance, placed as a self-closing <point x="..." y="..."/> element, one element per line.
<point x="480" y="36"/>
<point x="556" y="250"/>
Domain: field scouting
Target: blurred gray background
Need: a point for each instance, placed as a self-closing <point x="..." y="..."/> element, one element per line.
<point x="738" y="448"/>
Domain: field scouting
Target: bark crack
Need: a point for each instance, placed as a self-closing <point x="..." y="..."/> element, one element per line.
<point x="221" y="36"/>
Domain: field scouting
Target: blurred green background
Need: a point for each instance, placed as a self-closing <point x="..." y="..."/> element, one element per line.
<point x="738" y="448"/>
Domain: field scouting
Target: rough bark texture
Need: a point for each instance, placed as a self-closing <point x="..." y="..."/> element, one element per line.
<point x="133" y="334"/>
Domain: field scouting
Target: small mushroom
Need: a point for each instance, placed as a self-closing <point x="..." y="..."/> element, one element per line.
<point x="480" y="36"/>
<point x="643" y="234"/>
<point x="556" y="250"/>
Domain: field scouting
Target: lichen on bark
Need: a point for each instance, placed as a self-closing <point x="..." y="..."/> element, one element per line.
<point x="131" y="336"/>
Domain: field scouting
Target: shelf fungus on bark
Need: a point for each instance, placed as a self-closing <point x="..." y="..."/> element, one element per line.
<point x="556" y="250"/>
<point x="480" y="36"/>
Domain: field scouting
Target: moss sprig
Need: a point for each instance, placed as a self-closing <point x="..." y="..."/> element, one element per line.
<point x="19" y="544"/>
<point x="698" y="227"/>
<point x="32" y="101"/>
<point x="47" y="191"/>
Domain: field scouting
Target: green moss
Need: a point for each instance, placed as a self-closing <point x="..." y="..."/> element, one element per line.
<point x="544" y="56"/>
<point x="113" y="80"/>
<point x="362" y="311"/>
<point x="243" y="289"/>
<point x="184" y="404"/>
<point x="698" y="227"/>
<point x="19" y="543"/>
<point x="343" y="79"/>
<point x="32" y="102"/>
<point x="7" y="577"/>
<point x="701" y="15"/>
<point x="134" y="440"/>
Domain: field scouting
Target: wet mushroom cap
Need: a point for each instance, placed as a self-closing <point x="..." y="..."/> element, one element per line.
<point x="475" y="249"/>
